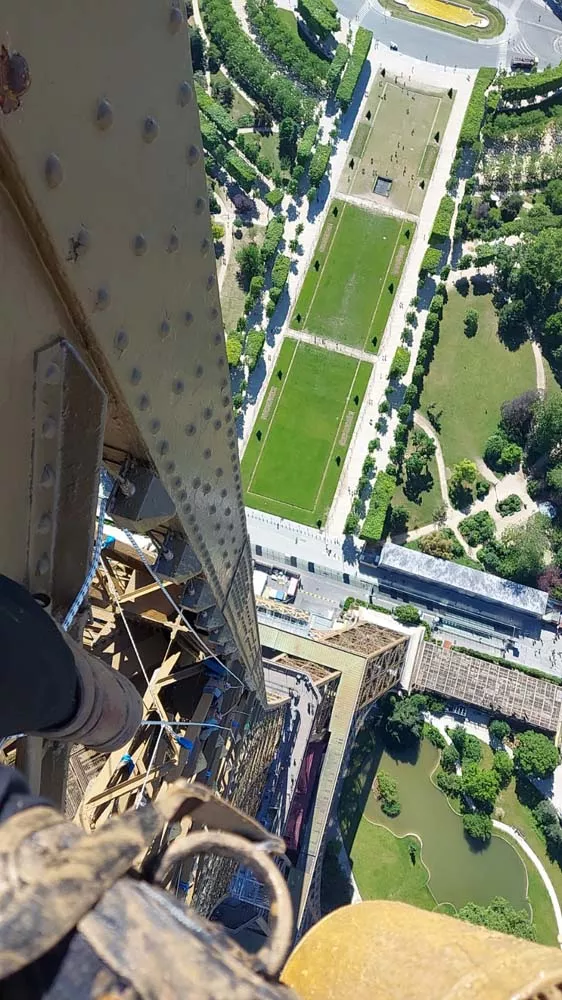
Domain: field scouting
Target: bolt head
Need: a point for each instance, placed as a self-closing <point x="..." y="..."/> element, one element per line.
<point x="49" y="428"/>
<point x="43" y="565"/>
<point x="121" y="340"/>
<point x="104" y="114"/>
<point x="102" y="299"/>
<point x="52" y="374"/>
<point x="54" y="173"/>
<point x="173" y="242"/>
<point x="176" y="20"/>
<point x="140" y="245"/>
<point x="165" y="329"/>
<point x="45" y="524"/>
<point x="149" y="129"/>
<point x="47" y="477"/>
<point x="185" y="93"/>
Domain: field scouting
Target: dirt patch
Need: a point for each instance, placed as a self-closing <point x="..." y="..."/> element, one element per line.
<point x="397" y="262"/>
<point x="326" y="237"/>
<point x="269" y="403"/>
<point x="346" y="430"/>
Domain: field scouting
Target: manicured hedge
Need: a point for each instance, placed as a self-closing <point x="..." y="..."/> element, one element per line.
<point x="321" y="17"/>
<point x="443" y="219"/>
<point x="523" y="86"/>
<point x="472" y="123"/>
<point x="400" y="363"/>
<point x="273" y="235"/>
<point x="485" y="253"/>
<point x="355" y="64"/>
<point x="337" y="67"/>
<point x="239" y="170"/>
<point x="248" y="66"/>
<point x="286" y="45"/>
<point x="383" y="490"/>
<point x="216" y="113"/>
<point x="233" y="350"/>
<point x="274" y="198"/>
<point x="304" y="147"/>
<point x="210" y="134"/>
<point x="431" y="261"/>
<point x="254" y="347"/>
<point x="280" y="271"/>
<point x="319" y="163"/>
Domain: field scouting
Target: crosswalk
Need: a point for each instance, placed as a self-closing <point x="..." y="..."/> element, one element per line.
<point x="363" y="10"/>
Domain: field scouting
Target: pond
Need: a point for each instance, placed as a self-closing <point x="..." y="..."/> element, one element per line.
<point x="459" y="872"/>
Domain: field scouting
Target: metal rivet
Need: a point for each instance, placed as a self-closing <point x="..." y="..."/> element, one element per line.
<point x="49" y="428"/>
<point x="173" y="242"/>
<point x="221" y="363"/>
<point x="228" y="564"/>
<point x="210" y="282"/>
<point x="140" y="246"/>
<point x="228" y="418"/>
<point x="200" y="205"/>
<point x="225" y="401"/>
<point x="102" y="298"/>
<point x="54" y="173"/>
<point x="224" y="554"/>
<point x="188" y="317"/>
<point x="176" y="20"/>
<point x="170" y="467"/>
<point x="192" y="155"/>
<point x="198" y="371"/>
<point x="217" y="339"/>
<point x="227" y="511"/>
<point x="190" y="430"/>
<point x="207" y="453"/>
<point x="52" y="374"/>
<point x="212" y="508"/>
<point x="196" y="483"/>
<point x="206" y="488"/>
<point x="163" y="447"/>
<point x="230" y="432"/>
<point x="224" y="492"/>
<point x="191" y="519"/>
<point x="217" y="424"/>
<point x="164" y="329"/>
<point x="45" y="524"/>
<point x="222" y="540"/>
<point x="182" y="496"/>
<point x="144" y="402"/>
<point x="121" y="340"/>
<point x="154" y="426"/>
<point x="149" y="129"/>
<point x="208" y="412"/>
<point x="47" y="478"/>
<point x="43" y="565"/>
<point x="104" y="114"/>
<point x="218" y="472"/>
<point x="213" y="312"/>
<point x="136" y="376"/>
<point x="176" y="483"/>
<point x="205" y="247"/>
<point x="178" y="385"/>
<point x="186" y="508"/>
<point x="185" y="93"/>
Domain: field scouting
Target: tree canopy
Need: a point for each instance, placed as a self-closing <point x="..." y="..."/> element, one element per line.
<point x="500" y="916"/>
<point x="499" y="729"/>
<point x="503" y="766"/>
<point x="481" y="786"/>
<point x="404" y="725"/>
<point x="478" y="826"/>
<point x="535" y="755"/>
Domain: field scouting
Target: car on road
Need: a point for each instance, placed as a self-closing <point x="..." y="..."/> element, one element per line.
<point x="393" y="47"/>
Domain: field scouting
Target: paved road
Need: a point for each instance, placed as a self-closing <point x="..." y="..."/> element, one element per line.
<point x="525" y="35"/>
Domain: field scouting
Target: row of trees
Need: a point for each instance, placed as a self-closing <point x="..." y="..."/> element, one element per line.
<point x="286" y="45"/>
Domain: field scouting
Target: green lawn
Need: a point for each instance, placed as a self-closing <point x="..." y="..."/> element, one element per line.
<point x="421" y="509"/>
<point x="353" y="276"/>
<point x="470" y="378"/>
<point x="240" y="105"/>
<point x="495" y="26"/>
<point x="270" y="147"/>
<point x="383" y="868"/>
<point x="399" y="140"/>
<point x="297" y="450"/>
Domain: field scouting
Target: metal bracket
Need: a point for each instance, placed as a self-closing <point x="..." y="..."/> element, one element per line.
<point x="140" y="502"/>
<point x="177" y="560"/>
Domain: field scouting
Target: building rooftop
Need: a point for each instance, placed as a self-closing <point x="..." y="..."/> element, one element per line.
<point x="464" y="579"/>
<point x="491" y="686"/>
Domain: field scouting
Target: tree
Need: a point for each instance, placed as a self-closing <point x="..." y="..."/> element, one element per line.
<point x="546" y="430"/>
<point x="553" y="196"/>
<point x="499" y="916"/>
<point x="554" y="478"/>
<point x="198" y="49"/>
<point x="493" y="449"/>
<point x="499" y="730"/>
<point x="415" y="465"/>
<point x="387" y="793"/>
<point x="545" y="814"/>
<point x="553" y="329"/>
<point x="477" y="826"/>
<point x="249" y="261"/>
<point x="438" y="544"/>
<point x="440" y="514"/>
<point x="407" y="614"/>
<point x="512" y="323"/>
<point x="481" y="786"/>
<point x="450" y="758"/>
<point x="503" y="766"/>
<point x="551" y="582"/>
<point x="405" y="724"/>
<point x="469" y="748"/>
<point x="461" y="482"/>
<point x="517" y="415"/>
<point x="511" y="206"/>
<point x="524" y="547"/>
<point x="213" y="58"/>
<point x="288" y="135"/>
<point x="535" y="755"/>
<point x="478" y="528"/>
<point x="423" y="444"/>
<point x="399" y="517"/>
<point x="471" y="323"/>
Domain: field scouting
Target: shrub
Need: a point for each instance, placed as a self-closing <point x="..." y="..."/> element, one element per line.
<point x="465" y="262"/>
<point x="273" y="236"/>
<point x="450" y="759"/>
<point x="436" y="306"/>
<point x="477" y="826"/>
<point x="474" y="115"/>
<point x="337" y="66"/>
<point x="434" y="735"/>
<point x="274" y="197"/>
<point x="431" y="261"/>
<point x="254" y="347"/>
<point x="304" y="147"/>
<point x="355" y="63"/>
<point x="450" y="784"/>
<point x="499" y="729"/>
<point x="535" y="755"/>
<point x="351" y="525"/>
<point x="478" y="528"/>
<point x="387" y="793"/>
<point x="511" y="505"/>
<point x="216" y="113"/>
<point x="443" y="219"/>
<point x="280" y="271"/>
<point x="250" y="145"/>
<point x="239" y="170"/>
<point x="471" y="323"/>
<point x="400" y="363"/>
<point x="503" y="766"/>
<point x="526" y="86"/>
<point x="484" y="254"/>
<point x="373" y="525"/>
<point x="321" y="17"/>
<point x="233" y="350"/>
<point x="481" y="786"/>
<point x="468" y="746"/>
<point x="319" y="163"/>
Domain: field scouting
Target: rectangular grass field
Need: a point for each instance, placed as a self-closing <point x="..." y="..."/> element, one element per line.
<point x="293" y="460"/>
<point x="398" y="137"/>
<point x="353" y="276"/>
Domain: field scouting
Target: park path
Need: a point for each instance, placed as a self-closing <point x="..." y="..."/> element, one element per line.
<point x="331" y="345"/>
<point x="453" y="516"/>
<point x="376" y="207"/>
<point x="539" y="365"/>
